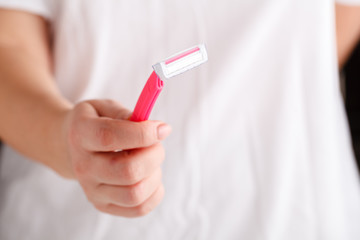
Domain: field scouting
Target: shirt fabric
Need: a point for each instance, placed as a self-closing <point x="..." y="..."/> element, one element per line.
<point x="260" y="147"/>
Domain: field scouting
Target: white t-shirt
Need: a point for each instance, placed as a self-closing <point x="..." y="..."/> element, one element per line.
<point x="260" y="147"/>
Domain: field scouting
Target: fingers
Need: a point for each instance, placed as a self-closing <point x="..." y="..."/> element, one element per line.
<point x="125" y="183"/>
<point x="126" y="167"/>
<point x="129" y="196"/>
<point x="137" y="211"/>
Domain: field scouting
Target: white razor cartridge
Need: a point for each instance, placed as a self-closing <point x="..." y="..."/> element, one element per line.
<point x="181" y="62"/>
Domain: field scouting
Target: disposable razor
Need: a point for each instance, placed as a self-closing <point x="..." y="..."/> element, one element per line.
<point x="172" y="66"/>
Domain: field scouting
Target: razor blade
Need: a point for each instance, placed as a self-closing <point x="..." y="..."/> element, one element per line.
<point x="181" y="62"/>
<point x="174" y="65"/>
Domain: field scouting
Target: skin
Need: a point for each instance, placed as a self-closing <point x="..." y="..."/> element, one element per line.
<point x="347" y="30"/>
<point x="77" y="141"/>
<point x="81" y="141"/>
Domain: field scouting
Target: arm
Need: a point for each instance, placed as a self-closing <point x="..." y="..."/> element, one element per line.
<point x="75" y="141"/>
<point x="347" y="30"/>
<point x="30" y="105"/>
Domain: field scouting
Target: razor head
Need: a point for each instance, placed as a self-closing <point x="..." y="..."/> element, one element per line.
<point x="181" y="62"/>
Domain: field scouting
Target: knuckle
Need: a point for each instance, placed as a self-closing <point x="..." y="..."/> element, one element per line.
<point x="161" y="151"/>
<point x="148" y="206"/>
<point x="157" y="153"/>
<point x="143" y="210"/>
<point x="132" y="173"/>
<point x="109" y="102"/>
<point x="135" y="195"/>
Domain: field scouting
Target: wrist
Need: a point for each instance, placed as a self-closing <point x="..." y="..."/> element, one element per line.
<point x="60" y="160"/>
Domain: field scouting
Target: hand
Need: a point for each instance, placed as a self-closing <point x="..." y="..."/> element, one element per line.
<point x="124" y="183"/>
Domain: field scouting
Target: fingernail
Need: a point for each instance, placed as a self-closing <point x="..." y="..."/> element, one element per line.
<point x="163" y="131"/>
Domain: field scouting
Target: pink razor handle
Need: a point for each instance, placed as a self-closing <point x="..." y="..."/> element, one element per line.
<point x="147" y="98"/>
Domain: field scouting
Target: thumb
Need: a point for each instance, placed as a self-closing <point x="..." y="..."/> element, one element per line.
<point x="112" y="130"/>
<point x="103" y="134"/>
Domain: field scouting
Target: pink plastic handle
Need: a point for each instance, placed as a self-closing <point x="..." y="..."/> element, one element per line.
<point x="147" y="98"/>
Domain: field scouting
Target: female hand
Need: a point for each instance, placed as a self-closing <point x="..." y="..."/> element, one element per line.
<point x="116" y="161"/>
